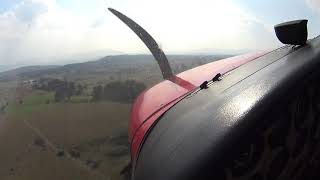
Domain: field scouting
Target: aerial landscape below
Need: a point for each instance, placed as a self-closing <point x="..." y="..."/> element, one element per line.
<point x="71" y="121"/>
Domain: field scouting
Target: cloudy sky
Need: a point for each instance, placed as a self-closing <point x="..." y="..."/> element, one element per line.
<point x="46" y="31"/>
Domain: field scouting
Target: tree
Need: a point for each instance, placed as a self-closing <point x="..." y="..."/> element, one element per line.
<point x="125" y="91"/>
<point x="118" y="91"/>
<point x="59" y="95"/>
<point x="55" y="84"/>
<point x="97" y="93"/>
<point x="63" y="89"/>
<point x="69" y="89"/>
<point x="111" y="78"/>
<point x="79" y="90"/>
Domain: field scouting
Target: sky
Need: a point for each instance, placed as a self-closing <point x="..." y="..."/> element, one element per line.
<point x="51" y="31"/>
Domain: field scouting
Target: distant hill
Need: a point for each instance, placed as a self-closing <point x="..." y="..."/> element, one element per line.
<point x="6" y="67"/>
<point x="109" y="65"/>
<point x="16" y="73"/>
<point x="89" y="56"/>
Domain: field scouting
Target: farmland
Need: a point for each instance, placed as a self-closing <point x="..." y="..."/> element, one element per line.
<point x="70" y="122"/>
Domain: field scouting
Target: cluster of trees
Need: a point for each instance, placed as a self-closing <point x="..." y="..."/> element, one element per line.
<point x="180" y="67"/>
<point x="118" y="91"/>
<point x="63" y="90"/>
<point x="3" y="106"/>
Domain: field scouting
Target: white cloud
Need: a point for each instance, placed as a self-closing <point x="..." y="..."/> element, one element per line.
<point x="26" y="11"/>
<point x="39" y="29"/>
<point x="42" y="30"/>
<point x="186" y="24"/>
<point x="314" y="4"/>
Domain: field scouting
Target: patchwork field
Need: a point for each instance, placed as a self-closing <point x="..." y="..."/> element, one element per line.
<point x="71" y="122"/>
<point x="49" y="140"/>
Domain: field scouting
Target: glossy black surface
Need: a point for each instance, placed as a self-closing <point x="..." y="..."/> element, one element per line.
<point x="292" y="32"/>
<point x="198" y="134"/>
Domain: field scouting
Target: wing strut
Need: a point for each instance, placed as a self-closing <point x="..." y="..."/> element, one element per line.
<point x="147" y="39"/>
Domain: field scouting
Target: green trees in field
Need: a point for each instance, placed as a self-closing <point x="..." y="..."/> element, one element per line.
<point x="63" y="89"/>
<point x="97" y="93"/>
<point x="118" y="91"/>
<point x="3" y="106"/>
<point x="79" y="89"/>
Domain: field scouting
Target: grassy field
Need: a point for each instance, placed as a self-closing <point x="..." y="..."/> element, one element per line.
<point x="30" y="103"/>
<point x="77" y="139"/>
<point x="73" y="140"/>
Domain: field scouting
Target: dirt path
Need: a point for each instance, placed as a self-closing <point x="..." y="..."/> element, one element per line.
<point x="61" y="152"/>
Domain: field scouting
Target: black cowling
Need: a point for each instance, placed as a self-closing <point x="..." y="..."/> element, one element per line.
<point x="292" y="32"/>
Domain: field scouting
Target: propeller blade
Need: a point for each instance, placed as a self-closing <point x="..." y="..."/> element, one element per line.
<point x="147" y="39"/>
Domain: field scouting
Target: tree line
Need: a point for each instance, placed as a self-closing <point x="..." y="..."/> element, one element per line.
<point x="63" y="89"/>
<point x="118" y="91"/>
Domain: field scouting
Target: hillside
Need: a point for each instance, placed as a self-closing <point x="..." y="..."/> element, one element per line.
<point x="107" y="66"/>
<point x="18" y="72"/>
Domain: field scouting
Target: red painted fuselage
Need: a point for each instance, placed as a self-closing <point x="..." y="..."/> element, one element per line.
<point x="155" y="101"/>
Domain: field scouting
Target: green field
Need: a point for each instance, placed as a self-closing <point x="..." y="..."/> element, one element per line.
<point x="83" y="135"/>
<point x="30" y="103"/>
<point x="92" y="137"/>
